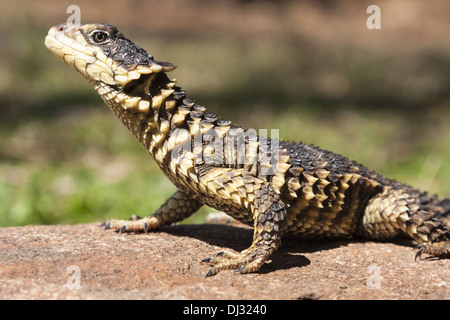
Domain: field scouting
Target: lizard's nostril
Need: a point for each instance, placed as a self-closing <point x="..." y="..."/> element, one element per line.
<point x="61" y="27"/>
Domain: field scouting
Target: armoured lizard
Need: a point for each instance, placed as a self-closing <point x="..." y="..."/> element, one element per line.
<point x="280" y="188"/>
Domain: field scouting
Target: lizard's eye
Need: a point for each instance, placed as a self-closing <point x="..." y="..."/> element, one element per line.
<point x="99" y="36"/>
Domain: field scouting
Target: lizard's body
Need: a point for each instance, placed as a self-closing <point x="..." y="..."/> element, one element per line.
<point x="278" y="187"/>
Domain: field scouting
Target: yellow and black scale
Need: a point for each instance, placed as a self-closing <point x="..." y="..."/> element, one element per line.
<point x="285" y="188"/>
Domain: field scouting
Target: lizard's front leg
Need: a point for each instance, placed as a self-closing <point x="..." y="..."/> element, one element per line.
<point x="178" y="207"/>
<point x="269" y="215"/>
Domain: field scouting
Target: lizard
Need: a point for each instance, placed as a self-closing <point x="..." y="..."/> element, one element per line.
<point x="280" y="188"/>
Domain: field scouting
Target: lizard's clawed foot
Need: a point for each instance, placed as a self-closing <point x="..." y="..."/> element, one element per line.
<point x="247" y="261"/>
<point x="135" y="223"/>
<point x="438" y="249"/>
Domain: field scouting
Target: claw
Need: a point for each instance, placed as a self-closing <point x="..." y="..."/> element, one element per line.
<point x="124" y="228"/>
<point x="206" y="260"/>
<point x="106" y="225"/>
<point x="238" y="270"/>
<point x="210" y="273"/>
<point x="145" y="227"/>
<point x="419" y="253"/>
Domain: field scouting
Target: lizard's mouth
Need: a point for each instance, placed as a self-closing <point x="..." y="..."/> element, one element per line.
<point x="69" y="50"/>
<point x="68" y="44"/>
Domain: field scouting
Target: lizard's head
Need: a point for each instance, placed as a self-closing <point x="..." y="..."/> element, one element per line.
<point x="104" y="56"/>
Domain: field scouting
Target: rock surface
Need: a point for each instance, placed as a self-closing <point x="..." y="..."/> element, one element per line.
<point x="83" y="262"/>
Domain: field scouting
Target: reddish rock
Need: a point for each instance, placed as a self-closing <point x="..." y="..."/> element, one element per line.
<point x="83" y="262"/>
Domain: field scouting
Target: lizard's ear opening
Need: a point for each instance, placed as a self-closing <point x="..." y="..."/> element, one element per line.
<point x="139" y="87"/>
<point x="147" y="85"/>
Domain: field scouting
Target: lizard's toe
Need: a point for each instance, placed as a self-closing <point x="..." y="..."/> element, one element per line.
<point x="420" y="248"/>
<point x="438" y="249"/>
<point x="244" y="262"/>
<point x="106" y="225"/>
<point x="135" y="223"/>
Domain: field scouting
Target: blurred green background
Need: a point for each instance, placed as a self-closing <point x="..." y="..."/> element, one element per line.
<point x="311" y="69"/>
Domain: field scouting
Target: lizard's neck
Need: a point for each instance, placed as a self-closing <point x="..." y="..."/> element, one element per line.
<point x="153" y="108"/>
